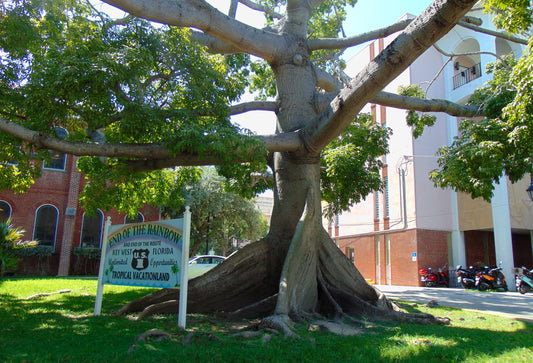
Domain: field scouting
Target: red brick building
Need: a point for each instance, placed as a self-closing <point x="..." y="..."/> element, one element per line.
<point x="50" y="213"/>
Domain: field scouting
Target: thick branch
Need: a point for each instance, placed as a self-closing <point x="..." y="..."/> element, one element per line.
<point x="437" y="20"/>
<point x="273" y="143"/>
<point x="214" y="45"/>
<point x="340" y="43"/>
<point x="497" y="34"/>
<point x="253" y="106"/>
<point x="326" y="81"/>
<point x="199" y="14"/>
<point x="331" y="84"/>
<point x="425" y="105"/>
<point x="412" y="103"/>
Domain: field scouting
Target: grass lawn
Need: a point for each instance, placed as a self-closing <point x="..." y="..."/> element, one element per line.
<point x="61" y="328"/>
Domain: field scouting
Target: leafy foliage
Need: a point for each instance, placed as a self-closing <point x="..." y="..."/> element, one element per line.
<point x="414" y="119"/>
<point x="33" y="250"/>
<point x="89" y="253"/>
<point x="10" y="245"/>
<point x="351" y="166"/>
<point x="219" y="215"/>
<point x="501" y="142"/>
<point x="64" y="63"/>
<point x="128" y="192"/>
<point x="511" y="15"/>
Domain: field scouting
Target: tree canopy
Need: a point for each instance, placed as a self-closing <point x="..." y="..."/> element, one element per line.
<point x="126" y="81"/>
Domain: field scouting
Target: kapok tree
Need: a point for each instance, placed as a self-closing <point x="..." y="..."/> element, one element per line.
<point x="142" y="104"/>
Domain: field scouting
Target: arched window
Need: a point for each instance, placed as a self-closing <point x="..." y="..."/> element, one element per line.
<point x="45" y="225"/>
<point x="5" y="211"/>
<point x="91" y="230"/>
<point x="138" y="219"/>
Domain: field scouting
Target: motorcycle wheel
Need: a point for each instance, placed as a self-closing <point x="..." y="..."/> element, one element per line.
<point x="483" y="286"/>
<point x="522" y="289"/>
<point x="430" y="283"/>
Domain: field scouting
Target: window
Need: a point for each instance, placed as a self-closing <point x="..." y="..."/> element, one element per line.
<point x="5" y="211"/>
<point x="376" y="205"/>
<point x="56" y="162"/>
<point x="91" y="230"/>
<point x="387" y="206"/>
<point x="45" y="225"/>
<point x="350" y="253"/>
<point x="138" y="219"/>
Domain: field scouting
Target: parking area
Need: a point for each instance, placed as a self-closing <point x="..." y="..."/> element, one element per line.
<point x="510" y="304"/>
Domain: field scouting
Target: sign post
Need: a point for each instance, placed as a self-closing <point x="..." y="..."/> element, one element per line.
<point x="100" y="286"/>
<point x="184" y="283"/>
<point x="149" y="254"/>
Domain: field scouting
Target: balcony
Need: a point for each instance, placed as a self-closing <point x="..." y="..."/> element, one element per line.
<point x="466" y="75"/>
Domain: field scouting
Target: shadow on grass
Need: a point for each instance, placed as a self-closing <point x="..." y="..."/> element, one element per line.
<point x="61" y="327"/>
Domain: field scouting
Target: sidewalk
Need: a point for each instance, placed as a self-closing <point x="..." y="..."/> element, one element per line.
<point x="509" y="304"/>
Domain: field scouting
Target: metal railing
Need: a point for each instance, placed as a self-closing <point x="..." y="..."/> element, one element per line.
<point x="466" y="75"/>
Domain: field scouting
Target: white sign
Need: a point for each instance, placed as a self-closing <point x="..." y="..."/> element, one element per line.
<point x="151" y="254"/>
<point x="144" y="254"/>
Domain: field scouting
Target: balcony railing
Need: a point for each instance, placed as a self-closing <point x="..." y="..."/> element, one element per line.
<point x="466" y="75"/>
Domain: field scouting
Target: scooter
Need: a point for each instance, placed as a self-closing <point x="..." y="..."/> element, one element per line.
<point x="524" y="280"/>
<point x="491" y="278"/>
<point x="466" y="277"/>
<point x="433" y="279"/>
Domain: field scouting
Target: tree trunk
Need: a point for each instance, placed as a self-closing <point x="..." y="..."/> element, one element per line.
<point x="296" y="270"/>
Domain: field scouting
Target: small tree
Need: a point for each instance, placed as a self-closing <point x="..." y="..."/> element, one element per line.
<point x="219" y="215"/>
<point x="9" y="237"/>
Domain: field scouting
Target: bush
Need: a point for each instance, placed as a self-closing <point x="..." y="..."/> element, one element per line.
<point x="89" y="253"/>
<point x="9" y="237"/>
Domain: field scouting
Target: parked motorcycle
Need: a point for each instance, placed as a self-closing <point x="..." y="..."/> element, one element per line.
<point x="524" y="280"/>
<point x="466" y="277"/>
<point x="491" y="278"/>
<point x="433" y="279"/>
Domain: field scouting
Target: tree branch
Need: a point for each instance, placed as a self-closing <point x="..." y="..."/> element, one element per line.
<point x="253" y="106"/>
<point x="283" y="142"/>
<point x="340" y="43"/>
<point x="326" y="81"/>
<point x="213" y="45"/>
<point x="426" y="105"/>
<point x="436" y="21"/>
<point x="451" y="55"/>
<point x="331" y="84"/>
<point x="259" y="7"/>
<point x="201" y="15"/>
<point x="497" y="34"/>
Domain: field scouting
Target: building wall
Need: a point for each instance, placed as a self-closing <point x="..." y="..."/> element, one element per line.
<point x="53" y="188"/>
<point x="397" y="262"/>
<point x="520" y="205"/>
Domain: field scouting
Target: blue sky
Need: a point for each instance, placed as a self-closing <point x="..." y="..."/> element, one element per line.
<point x="374" y="14"/>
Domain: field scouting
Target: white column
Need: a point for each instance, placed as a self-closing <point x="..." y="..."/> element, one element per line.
<point x="501" y="223"/>
<point x="458" y="241"/>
